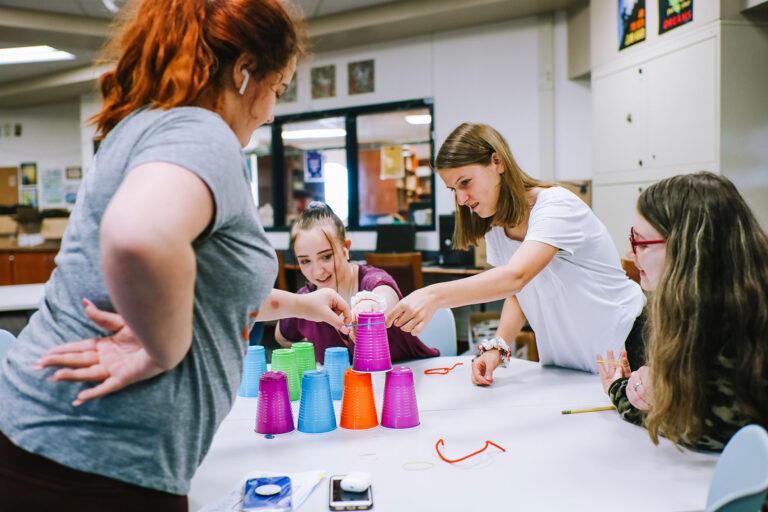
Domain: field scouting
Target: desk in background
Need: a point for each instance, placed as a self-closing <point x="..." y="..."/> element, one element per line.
<point x="584" y="461"/>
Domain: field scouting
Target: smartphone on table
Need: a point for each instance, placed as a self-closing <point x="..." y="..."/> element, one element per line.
<point x="267" y="494"/>
<point x="339" y="499"/>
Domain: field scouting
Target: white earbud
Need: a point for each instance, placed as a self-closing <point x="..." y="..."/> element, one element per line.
<point x="246" y="76"/>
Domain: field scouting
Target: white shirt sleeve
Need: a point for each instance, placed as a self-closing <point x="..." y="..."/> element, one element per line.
<point x="558" y="219"/>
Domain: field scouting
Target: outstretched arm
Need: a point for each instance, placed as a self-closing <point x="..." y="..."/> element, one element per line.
<point x="412" y="313"/>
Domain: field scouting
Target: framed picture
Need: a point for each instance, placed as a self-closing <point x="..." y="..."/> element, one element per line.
<point x="361" y="76"/>
<point x="29" y="196"/>
<point x="291" y="93"/>
<point x="28" y="173"/>
<point x="74" y="173"/>
<point x="631" y="22"/>
<point x="323" y="82"/>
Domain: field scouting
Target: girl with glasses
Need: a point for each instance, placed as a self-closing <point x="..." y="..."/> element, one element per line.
<point x="556" y="265"/>
<point x="702" y="254"/>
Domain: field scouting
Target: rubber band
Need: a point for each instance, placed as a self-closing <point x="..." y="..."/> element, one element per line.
<point x="363" y="325"/>
<point x="418" y="465"/>
<point x="440" y="371"/>
<point x="487" y="443"/>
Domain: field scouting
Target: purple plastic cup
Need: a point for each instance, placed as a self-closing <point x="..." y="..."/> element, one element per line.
<point x="371" y="344"/>
<point x="273" y="413"/>
<point x="400" y="409"/>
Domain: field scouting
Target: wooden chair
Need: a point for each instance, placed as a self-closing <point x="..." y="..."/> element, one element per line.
<point x="280" y="282"/>
<point x="404" y="267"/>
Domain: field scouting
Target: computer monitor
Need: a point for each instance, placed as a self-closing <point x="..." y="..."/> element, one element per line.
<point x="395" y="238"/>
<point x="448" y="255"/>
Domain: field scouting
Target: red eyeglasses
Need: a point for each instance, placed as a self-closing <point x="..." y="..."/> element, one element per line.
<point x="634" y="242"/>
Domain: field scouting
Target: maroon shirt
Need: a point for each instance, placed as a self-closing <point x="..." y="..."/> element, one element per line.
<point x="402" y="345"/>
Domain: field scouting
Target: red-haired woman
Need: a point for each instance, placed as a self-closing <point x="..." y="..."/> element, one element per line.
<point x="166" y="234"/>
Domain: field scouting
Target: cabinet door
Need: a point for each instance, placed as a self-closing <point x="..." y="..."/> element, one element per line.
<point x="32" y="267"/>
<point x="5" y="269"/>
<point x="614" y="205"/>
<point x="683" y="107"/>
<point x="619" y="117"/>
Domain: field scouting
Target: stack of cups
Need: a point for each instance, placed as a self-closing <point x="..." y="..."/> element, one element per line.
<point x="316" y="408"/>
<point x="284" y="360"/>
<point x="336" y="361"/>
<point x="273" y="412"/>
<point x="400" y="409"/>
<point x="358" y="409"/>
<point x="254" y="364"/>
<point x="305" y="357"/>
<point x="371" y="345"/>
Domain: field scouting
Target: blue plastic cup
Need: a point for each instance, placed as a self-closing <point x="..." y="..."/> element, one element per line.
<point x="254" y="364"/>
<point x="336" y="362"/>
<point x="316" y="407"/>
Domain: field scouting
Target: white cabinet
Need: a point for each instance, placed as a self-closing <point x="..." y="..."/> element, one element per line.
<point x="614" y="205"/>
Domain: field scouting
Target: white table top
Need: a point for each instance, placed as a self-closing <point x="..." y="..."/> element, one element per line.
<point x="552" y="461"/>
<point x="21" y="297"/>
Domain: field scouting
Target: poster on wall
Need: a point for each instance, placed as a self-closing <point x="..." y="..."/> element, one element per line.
<point x="323" y="81"/>
<point x="631" y="22"/>
<point x="28" y="195"/>
<point x="28" y="172"/>
<point x="52" y="187"/>
<point x="392" y="162"/>
<point x="360" y="76"/>
<point x="313" y="167"/>
<point x="673" y="13"/>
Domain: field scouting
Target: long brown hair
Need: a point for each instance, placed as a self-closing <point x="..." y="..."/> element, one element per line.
<point x="470" y="144"/>
<point x="171" y="53"/>
<point x="711" y="301"/>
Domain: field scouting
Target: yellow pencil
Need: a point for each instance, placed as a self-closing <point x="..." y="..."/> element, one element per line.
<point x="593" y="409"/>
<point x="617" y="363"/>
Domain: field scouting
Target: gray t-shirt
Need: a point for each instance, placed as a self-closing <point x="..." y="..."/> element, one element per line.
<point x="156" y="432"/>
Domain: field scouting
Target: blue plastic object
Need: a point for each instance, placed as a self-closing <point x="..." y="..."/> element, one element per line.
<point x="254" y="364"/>
<point x="316" y="413"/>
<point x="336" y="361"/>
<point x="440" y="332"/>
<point x="740" y="481"/>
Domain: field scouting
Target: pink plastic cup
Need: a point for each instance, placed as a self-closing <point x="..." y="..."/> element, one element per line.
<point x="400" y="409"/>
<point x="371" y="344"/>
<point x="273" y="412"/>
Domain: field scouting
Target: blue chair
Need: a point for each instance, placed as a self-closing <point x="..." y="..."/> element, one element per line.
<point x="440" y="332"/>
<point x="740" y="481"/>
<point x="6" y="342"/>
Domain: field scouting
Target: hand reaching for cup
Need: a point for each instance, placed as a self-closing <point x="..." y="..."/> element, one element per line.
<point x="117" y="360"/>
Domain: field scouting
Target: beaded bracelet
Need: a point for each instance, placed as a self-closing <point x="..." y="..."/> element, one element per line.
<point x="497" y="343"/>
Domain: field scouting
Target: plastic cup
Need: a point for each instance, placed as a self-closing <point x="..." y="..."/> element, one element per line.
<point x="400" y="409"/>
<point x="254" y="364"/>
<point x="305" y="357"/>
<point x="273" y="412"/>
<point x="358" y="409"/>
<point x="284" y="360"/>
<point x="336" y="362"/>
<point x="316" y="408"/>
<point x="371" y="344"/>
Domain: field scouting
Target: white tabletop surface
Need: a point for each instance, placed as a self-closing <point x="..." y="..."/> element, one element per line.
<point x="585" y="461"/>
<point x="20" y="297"/>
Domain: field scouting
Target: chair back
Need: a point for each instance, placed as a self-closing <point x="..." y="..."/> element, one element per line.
<point x="280" y="282"/>
<point x="404" y="267"/>
<point x="740" y="481"/>
<point x="440" y="332"/>
<point x="6" y="342"/>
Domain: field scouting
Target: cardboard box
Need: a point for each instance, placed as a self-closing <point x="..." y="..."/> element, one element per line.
<point x="53" y="228"/>
<point x="483" y="326"/>
<point x="8" y="225"/>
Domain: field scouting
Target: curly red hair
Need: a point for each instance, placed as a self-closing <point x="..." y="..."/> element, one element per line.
<point x="171" y="53"/>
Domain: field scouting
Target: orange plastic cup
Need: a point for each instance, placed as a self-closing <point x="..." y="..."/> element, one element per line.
<point x="358" y="409"/>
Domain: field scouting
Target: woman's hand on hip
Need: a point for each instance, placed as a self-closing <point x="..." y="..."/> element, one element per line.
<point x="117" y="360"/>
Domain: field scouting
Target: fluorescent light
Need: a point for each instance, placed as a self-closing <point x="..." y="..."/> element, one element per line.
<point x="32" y="54"/>
<point x="419" y="119"/>
<point x="321" y="133"/>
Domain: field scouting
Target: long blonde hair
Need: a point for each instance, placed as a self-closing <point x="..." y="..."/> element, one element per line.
<point x="711" y="301"/>
<point x="470" y="144"/>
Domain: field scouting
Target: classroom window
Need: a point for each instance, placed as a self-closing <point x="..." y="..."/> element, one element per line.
<point x="371" y="164"/>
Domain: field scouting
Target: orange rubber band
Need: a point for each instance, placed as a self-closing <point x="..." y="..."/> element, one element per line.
<point x="440" y="371"/>
<point x="440" y="441"/>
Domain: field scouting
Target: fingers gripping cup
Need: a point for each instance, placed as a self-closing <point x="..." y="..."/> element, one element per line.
<point x="400" y="409"/>
<point x="305" y="356"/>
<point x="358" y="409"/>
<point x="273" y="412"/>
<point x="336" y="361"/>
<point x="284" y="360"/>
<point x="316" y="408"/>
<point x="371" y="344"/>
<point x="254" y="364"/>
